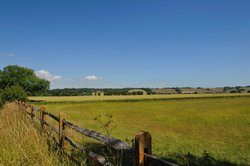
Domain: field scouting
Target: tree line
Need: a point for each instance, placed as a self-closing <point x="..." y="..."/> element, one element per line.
<point x="89" y="91"/>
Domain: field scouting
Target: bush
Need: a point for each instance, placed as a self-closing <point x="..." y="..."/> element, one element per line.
<point x="14" y="93"/>
<point x="1" y="99"/>
<point x="233" y="91"/>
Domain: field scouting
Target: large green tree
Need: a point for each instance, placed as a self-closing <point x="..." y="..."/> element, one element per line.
<point x="26" y="78"/>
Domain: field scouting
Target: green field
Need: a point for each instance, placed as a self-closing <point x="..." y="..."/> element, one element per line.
<point x="218" y="124"/>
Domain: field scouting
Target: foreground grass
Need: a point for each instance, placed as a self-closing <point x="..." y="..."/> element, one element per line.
<point x="221" y="126"/>
<point x="21" y="142"/>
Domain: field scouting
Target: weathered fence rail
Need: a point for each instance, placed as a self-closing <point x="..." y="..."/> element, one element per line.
<point x="141" y="152"/>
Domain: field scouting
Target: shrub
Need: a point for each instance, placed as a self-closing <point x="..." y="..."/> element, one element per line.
<point x="233" y="91"/>
<point x="14" y="93"/>
<point x="1" y="99"/>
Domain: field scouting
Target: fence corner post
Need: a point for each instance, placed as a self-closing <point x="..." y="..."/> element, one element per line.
<point x="143" y="144"/>
<point x="42" y="109"/>
<point x="62" y="117"/>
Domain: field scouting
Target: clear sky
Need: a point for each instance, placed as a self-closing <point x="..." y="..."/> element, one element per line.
<point x="129" y="43"/>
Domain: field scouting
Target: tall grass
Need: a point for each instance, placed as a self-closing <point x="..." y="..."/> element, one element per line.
<point x="20" y="141"/>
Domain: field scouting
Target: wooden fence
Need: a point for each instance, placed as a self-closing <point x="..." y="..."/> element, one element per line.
<point x="140" y="154"/>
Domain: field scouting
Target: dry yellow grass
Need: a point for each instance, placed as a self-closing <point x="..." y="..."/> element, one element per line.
<point x="134" y="97"/>
<point x="21" y="142"/>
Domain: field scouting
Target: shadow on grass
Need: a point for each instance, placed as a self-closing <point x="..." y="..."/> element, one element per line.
<point x="117" y="158"/>
<point x="205" y="160"/>
<point x="123" y="159"/>
<point x="127" y="159"/>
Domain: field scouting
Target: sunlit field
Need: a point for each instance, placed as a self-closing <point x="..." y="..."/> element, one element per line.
<point x="134" y="97"/>
<point x="221" y="126"/>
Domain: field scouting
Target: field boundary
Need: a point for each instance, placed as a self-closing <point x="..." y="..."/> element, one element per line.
<point x="140" y="154"/>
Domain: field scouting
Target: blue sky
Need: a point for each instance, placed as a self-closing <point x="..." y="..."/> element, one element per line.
<point x="130" y="43"/>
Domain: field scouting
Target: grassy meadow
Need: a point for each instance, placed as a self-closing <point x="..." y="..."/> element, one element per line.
<point x="217" y="124"/>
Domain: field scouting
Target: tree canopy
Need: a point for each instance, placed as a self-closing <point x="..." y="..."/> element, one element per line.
<point x="26" y="78"/>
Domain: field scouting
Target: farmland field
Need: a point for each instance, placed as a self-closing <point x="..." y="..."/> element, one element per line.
<point x="134" y="97"/>
<point x="219" y="124"/>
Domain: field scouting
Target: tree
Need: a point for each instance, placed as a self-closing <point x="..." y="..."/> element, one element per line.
<point x="238" y="89"/>
<point x="178" y="90"/>
<point x="14" y="75"/>
<point x="14" y="93"/>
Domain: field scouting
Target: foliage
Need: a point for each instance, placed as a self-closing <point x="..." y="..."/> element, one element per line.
<point x="88" y="91"/>
<point x="236" y="89"/>
<point x="69" y="92"/>
<point x="119" y="91"/>
<point x="14" y="93"/>
<point x="1" y="99"/>
<point x="178" y="90"/>
<point x="14" y="75"/>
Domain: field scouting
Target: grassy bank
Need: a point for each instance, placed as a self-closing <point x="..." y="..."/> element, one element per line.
<point x="180" y="128"/>
<point x="21" y="142"/>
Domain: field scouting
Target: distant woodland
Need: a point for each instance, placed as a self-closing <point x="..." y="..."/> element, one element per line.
<point x="125" y="91"/>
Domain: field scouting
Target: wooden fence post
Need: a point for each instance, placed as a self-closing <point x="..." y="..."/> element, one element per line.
<point x="61" y="130"/>
<point x="143" y="144"/>
<point x="42" y="116"/>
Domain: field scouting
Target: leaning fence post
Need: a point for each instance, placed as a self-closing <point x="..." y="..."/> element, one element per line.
<point x="42" y="109"/>
<point x="143" y="144"/>
<point x="61" y="130"/>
